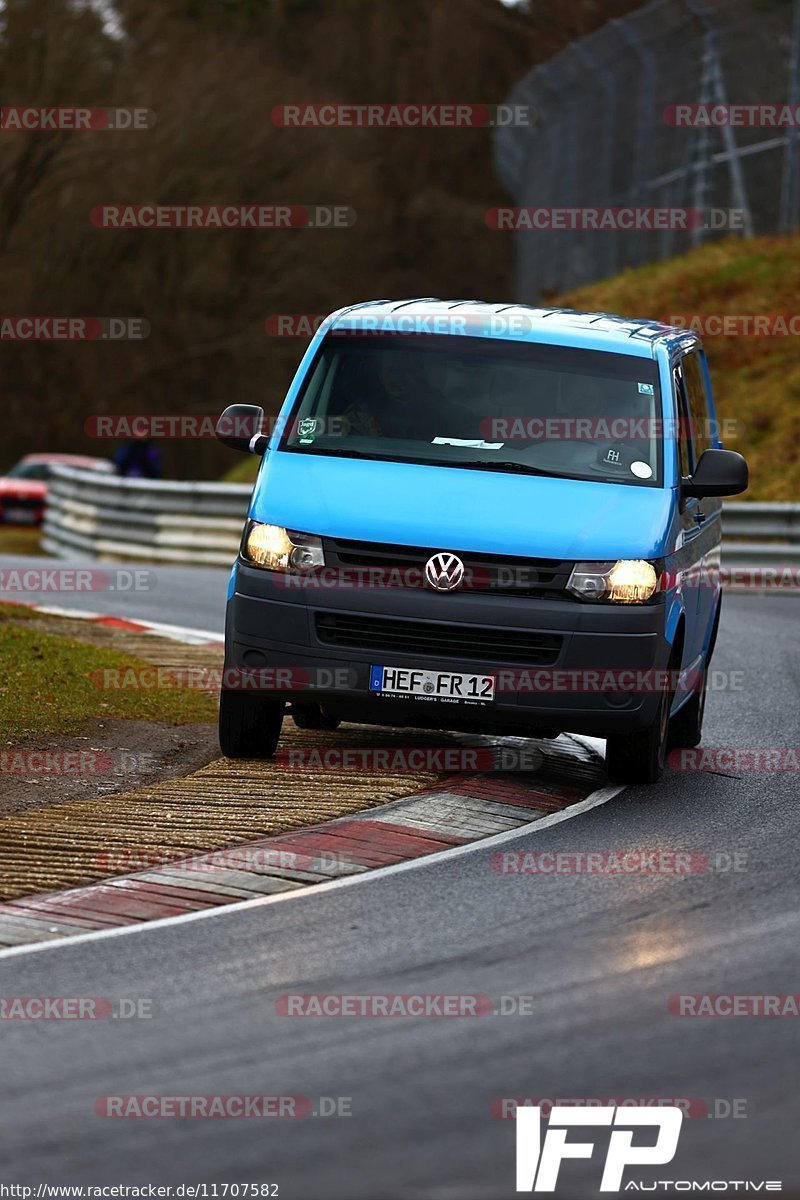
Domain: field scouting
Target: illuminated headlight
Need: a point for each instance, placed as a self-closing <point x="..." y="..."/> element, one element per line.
<point x="279" y="549"/>
<point x="627" y="581"/>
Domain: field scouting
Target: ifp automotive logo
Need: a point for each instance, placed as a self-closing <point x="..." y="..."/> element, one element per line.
<point x="538" y="1164"/>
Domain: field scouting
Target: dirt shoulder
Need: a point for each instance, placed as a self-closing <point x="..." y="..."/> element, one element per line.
<point x="69" y="731"/>
<point x="111" y="757"/>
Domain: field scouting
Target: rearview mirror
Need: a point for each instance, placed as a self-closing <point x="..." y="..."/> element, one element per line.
<point x="241" y="427"/>
<point x="718" y="473"/>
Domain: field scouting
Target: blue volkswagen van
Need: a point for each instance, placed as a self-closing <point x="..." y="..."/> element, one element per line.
<point x="484" y="518"/>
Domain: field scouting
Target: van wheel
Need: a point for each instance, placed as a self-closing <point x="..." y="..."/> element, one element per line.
<point x="641" y="757"/>
<point x="311" y="716"/>
<point x="249" y="726"/>
<point x="686" y="727"/>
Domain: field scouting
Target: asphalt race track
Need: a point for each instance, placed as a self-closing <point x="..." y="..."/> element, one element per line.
<point x="190" y="596"/>
<point x="600" y="956"/>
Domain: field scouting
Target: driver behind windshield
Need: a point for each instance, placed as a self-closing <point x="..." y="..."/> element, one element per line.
<point x="404" y="402"/>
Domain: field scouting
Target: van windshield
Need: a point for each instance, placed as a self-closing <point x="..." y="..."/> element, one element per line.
<point x="485" y="404"/>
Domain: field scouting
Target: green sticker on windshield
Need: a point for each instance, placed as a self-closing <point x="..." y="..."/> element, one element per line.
<point x="307" y="430"/>
<point x="646" y="388"/>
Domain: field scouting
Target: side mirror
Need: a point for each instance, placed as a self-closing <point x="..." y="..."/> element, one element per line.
<point x="718" y="473"/>
<point x="241" y="427"/>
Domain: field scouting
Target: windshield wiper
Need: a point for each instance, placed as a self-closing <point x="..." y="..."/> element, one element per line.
<point x="476" y="463"/>
<point x="321" y="451"/>
<point x="521" y="468"/>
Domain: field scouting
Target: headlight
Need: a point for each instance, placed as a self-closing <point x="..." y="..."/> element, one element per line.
<point x="627" y="581"/>
<point x="279" y="549"/>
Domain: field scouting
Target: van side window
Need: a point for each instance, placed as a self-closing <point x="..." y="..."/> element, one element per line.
<point x="684" y="430"/>
<point x="697" y="398"/>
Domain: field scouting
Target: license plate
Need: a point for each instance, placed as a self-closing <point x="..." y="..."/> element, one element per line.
<point x="451" y="687"/>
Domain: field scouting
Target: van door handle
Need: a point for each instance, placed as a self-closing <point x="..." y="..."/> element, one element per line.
<point x="699" y="516"/>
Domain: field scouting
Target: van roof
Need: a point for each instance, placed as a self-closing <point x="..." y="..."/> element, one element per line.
<point x="515" y="322"/>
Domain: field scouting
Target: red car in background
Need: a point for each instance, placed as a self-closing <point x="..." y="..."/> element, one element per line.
<point x="23" y="491"/>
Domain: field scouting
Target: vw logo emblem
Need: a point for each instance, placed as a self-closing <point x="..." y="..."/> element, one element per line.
<point x="444" y="572"/>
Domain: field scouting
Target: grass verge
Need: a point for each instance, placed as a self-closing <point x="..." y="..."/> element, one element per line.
<point x="20" y="539"/>
<point x="244" y="471"/>
<point x="48" y="685"/>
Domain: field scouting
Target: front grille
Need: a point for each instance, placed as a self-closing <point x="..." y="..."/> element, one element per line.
<point x="501" y="574"/>
<point x="420" y="638"/>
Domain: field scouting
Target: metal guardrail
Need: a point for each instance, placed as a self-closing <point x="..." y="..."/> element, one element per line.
<point x="761" y="534"/>
<point x="108" y="518"/>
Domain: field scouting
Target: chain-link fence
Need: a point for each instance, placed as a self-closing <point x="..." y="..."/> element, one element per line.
<point x="605" y="134"/>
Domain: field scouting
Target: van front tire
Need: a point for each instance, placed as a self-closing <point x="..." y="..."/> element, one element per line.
<point x="249" y="725"/>
<point x="686" y="727"/>
<point x="641" y="757"/>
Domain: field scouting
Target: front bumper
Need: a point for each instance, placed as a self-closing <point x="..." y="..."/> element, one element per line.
<point x="272" y="630"/>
